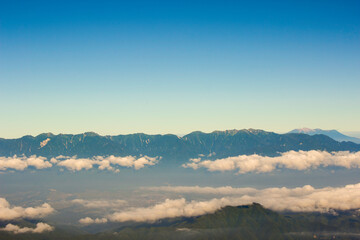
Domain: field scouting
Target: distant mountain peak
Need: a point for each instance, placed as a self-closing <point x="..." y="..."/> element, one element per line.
<point x="90" y="134"/>
<point x="227" y="132"/>
<point x="254" y="131"/>
<point x="304" y="130"/>
<point x="49" y="134"/>
<point x="334" y="134"/>
<point x="235" y="131"/>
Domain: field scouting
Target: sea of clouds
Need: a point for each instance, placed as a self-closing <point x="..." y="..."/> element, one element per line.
<point x="297" y="160"/>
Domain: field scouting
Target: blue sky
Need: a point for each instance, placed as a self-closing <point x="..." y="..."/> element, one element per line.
<point x="118" y="67"/>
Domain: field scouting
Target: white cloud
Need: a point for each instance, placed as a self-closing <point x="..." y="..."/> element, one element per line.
<point x="169" y="209"/>
<point x="54" y="160"/>
<point x="300" y="199"/>
<point x="38" y="162"/>
<point x="77" y="164"/>
<point x="100" y="203"/>
<point x="306" y="198"/>
<point x="130" y="161"/>
<point x="300" y="160"/>
<point x="40" y="228"/>
<point x="88" y="220"/>
<point x="8" y="212"/>
<point x="108" y="163"/>
<point x="21" y="163"/>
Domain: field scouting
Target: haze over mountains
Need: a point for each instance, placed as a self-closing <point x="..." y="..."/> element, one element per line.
<point x="216" y="144"/>
<point x="334" y="134"/>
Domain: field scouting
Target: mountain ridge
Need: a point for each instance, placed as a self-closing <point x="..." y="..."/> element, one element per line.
<point x="216" y="144"/>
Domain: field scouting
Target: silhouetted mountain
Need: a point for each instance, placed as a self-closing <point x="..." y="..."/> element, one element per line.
<point x="330" y="133"/>
<point x="171" y="147"/>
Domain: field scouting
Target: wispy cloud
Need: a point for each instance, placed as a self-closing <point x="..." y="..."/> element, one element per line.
<point x="100" y="203"/>
<point x="300" y="160"/>
<point x="40" y="228"/>
<point x="226" y="190"/>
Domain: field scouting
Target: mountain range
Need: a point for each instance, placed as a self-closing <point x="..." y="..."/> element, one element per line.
<point x="171" y="147"/>
<point x="334" y="134"/>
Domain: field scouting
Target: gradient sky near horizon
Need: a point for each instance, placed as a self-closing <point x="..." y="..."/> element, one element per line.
<point x="117" y="67"/>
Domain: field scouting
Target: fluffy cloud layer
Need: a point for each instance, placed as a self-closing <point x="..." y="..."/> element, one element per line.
<point x="77" y="164"/>
<point x="108" y="163"/>
<point x="100" y="203"/>
<point x="8" y="212"/>
<point x="300" y="160"/>
<point x="21" y="163"/>
<point x="40" y="228"/>
<point x="301" y="199"/>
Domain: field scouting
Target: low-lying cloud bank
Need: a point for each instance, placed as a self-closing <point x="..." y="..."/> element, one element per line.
<point x="301" y="160"/>
<point x="106" y="163"/>
<point x="226" y="190"/>
<point x="301" y="199"/>
<point x="77" y="164"/>
<point x="40" y="228"/>
<point x="169" y="209"/>
<point x="8" y="212"/>
<point x="100" y="203"/>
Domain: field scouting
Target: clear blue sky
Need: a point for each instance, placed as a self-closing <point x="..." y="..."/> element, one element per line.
<point x="118" y="67"/>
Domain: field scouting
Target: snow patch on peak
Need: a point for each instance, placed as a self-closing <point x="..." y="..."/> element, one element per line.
<point x="305" y="130"/>
<point x="43" y="143"/>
